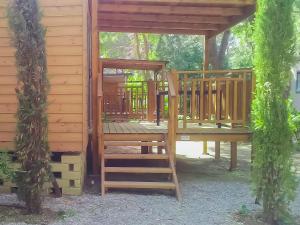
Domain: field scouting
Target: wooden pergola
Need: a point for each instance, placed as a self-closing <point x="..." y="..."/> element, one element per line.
<point x="190" y="17"/>
<point x="132" y="64"/>
<point x="198" y="17"/>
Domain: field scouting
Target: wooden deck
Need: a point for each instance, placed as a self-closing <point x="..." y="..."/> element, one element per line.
<point x="133" y="128"/>
<point x="204" y="132"/>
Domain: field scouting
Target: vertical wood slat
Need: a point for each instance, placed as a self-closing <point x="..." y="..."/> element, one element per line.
<point x="162" y="100"/>
<point x="218" y="99"/>
<point x="137" y="101"/>
<point x="143" y="110"/>
<point x="176" y="109"/>
<point x="185" y="101"/>
<point x="202" y="100"/>
<point x="235" y="104"/>
<point x="130" y="102"/>
<point x="227" y="104"/>
<point x="244" y="100"/>
<point x="209" y="99"/>
<point x="193" y="100"/>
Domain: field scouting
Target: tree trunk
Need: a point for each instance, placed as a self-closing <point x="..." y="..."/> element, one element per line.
<point x="146" y="51"/>
<point x="137" y="46"/>
<point x="222" y="49"/>
<point x="56" y="189"/>
<point x="217" y="54"/>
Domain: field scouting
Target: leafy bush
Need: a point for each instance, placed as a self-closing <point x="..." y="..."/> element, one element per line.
<point x="5" y="171"/>
<point x="295" y="121"/>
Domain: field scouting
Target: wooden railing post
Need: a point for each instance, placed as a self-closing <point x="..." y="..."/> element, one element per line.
<point x="174" y="77"/>
<point x="185" y="102"/>
<point x="244" y="110"/>
<point x="151" y="101"/>
<point x="172" y="117"/>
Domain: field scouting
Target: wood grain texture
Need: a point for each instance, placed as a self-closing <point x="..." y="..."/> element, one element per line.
<point x="66" y="26"/>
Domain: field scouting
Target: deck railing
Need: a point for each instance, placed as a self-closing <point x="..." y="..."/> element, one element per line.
<point x="133" y="100"/>
<point x="214" y="97"/>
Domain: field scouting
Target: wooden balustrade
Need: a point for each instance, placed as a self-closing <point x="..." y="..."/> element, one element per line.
<point x="134" y="100"/>
<point x="216" y="97"/>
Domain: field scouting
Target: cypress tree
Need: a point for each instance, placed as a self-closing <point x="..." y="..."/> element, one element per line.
<point x="273" y="178"/>
<point x="31" y="138"/>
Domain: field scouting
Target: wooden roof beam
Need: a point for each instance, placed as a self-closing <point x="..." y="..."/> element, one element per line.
<point x="164" y="18"/>
<point x="234" y="21"/>
<point x="184" y="2"/>
<point x="152" y="30"/>
<point x="132" y="64"/>
<point x="170" y="10"/>
<point x="158" y="25"/>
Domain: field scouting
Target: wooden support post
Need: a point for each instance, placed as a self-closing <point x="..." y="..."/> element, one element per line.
<point x="205" y="149"/>
<point x="95" y="61"/>
<point x="217" y="150"/>
<point x="233" y="154"/>
<point x="151" y="101"/>
<point x="205" y="67"/>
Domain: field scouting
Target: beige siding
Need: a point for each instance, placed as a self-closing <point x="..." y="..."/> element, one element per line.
<point x="66" y="49"/>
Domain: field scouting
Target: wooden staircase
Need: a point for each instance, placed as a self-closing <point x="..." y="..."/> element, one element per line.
<point x="136" y="165"/>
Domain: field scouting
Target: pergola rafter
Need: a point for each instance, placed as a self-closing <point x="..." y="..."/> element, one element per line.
<point x="199" y="17"/>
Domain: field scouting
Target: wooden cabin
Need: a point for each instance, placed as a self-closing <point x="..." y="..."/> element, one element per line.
<point x="219" y="100"/>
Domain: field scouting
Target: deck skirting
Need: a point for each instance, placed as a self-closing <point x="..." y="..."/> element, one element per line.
<point x="214" y="134"/>
<point x="68" y="170"/>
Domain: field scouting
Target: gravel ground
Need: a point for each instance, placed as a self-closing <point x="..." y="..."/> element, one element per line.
<point x="211" y="195"/>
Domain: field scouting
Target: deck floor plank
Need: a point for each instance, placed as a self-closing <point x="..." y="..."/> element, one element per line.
<point x="131" y="128"/>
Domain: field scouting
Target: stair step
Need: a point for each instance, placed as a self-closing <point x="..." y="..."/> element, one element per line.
<point x="136" y="156"/>
<point x="160" y="170"/>
<point x="139" y="185"/>
<point x="133" y="143"/>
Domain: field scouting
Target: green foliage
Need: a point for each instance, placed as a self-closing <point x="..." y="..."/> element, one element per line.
<point x="63" y="215"/>
<point x="5" y="171"/>
<point x="240" y="52"/>
<point x="273" y="178"/>
<point x="297" y="25"/>
<point x="182" y="52"/>
<point x="244" y="210"/>
<point x="112" y="41"/>
<point x="31" y="139"/>
<point x="295" y="121"/>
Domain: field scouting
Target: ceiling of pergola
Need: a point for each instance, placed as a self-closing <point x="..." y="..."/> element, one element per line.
<point x="200" y="17"/>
